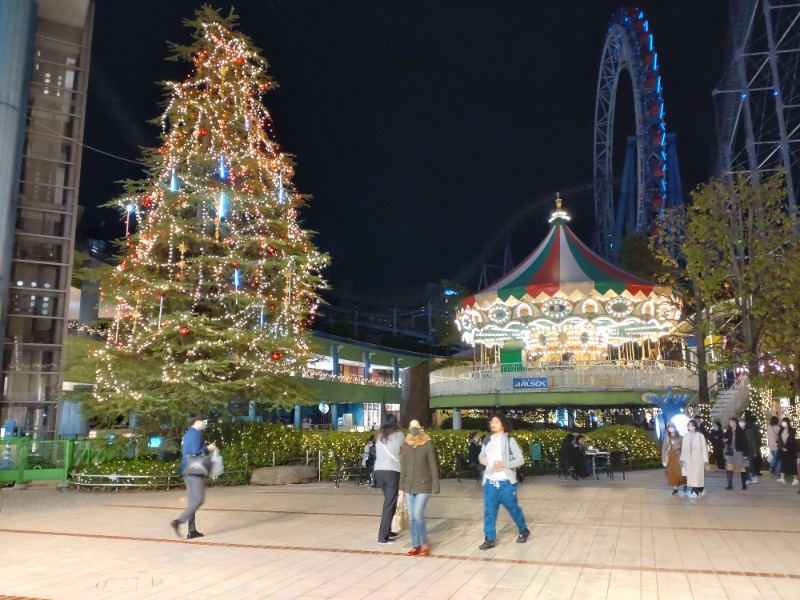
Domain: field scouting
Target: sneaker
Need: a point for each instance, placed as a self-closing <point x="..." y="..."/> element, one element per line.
<point x="424" y="550"/>
<point x="675" y="492"/>
<point x="703" y="493"/>
<point x="729" y="487"/>
<point x="193" y="534"/>
<point x="755" y="479"/>
<point x="393" y="535"/>
<point x="782" y="481"/>
<point x="796" y="481"/>
<point x="523" y="536"/>
<point x="693" y="495"/>
<point x="487" y="544"/>
<point x="386" y="543"/>
<point x="176" y="525"/>
<point x="413" y="552"/>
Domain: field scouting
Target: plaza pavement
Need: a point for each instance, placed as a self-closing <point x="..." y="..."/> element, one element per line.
<point x="591" y="539"/>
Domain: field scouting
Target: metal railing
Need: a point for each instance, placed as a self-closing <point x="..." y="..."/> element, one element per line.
<point x="567" y="376"/>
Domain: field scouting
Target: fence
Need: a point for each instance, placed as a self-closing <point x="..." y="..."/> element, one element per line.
<point x="25" y="459"/>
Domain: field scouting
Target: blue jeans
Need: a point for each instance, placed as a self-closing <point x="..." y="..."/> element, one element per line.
<point x="775" y="463"/>
<point x="416" y="518"/>
<point x="504" y="493"/>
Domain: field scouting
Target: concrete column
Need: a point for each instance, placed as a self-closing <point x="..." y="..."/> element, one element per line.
<point x="395" y="369"/>
<point x="335" y="358"/>
<point x="297" y="416"/>
<point x="456" y="419"/>
<point x="367" y="365"/>
<point x="334" y="417"/>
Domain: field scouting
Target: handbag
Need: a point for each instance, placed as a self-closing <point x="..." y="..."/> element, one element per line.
<point x="198" y="464"/>
<point x="217" y="467"/>
<point x="400" y="518"/>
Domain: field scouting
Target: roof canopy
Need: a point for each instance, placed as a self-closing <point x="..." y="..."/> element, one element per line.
<point x="563" y="264"/>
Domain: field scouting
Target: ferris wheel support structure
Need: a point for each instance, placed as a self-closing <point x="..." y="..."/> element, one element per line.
<point x="758" y="99"/>
<point x="629" y="49"/>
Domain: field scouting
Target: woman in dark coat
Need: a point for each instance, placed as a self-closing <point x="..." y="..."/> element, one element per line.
<point x="717" y="438"/>
<point x="787" y="447"/>
<point x="569" y="457"/>
<point x="736" y="453"/>
<point x="419" y="478"/>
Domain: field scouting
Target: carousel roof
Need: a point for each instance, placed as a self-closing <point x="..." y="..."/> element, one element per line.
<point x="563" y="263"/>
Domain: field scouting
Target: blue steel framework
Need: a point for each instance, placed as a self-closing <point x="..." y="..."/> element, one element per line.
<point x="758" y="99"/>
<point x="629" y="48"/>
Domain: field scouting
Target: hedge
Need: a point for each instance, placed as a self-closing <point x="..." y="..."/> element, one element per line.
<point x="245" y="445"/>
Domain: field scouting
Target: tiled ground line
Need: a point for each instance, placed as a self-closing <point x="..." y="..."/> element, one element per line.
<point x="486" y="559"/>
<point x="429" y="518"/>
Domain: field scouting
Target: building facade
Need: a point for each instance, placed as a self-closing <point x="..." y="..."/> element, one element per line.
<point x="44" y="71"/>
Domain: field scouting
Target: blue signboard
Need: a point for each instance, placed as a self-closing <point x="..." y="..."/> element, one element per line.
<point x="536" y="383"/>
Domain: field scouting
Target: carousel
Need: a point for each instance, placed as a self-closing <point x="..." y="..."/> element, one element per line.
<point x="564" y="303"/>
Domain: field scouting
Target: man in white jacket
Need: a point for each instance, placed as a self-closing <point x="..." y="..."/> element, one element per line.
<point x="501" y="456"/>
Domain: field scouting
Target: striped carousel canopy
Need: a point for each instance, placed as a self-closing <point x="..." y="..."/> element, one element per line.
<point x="563" y="263"/>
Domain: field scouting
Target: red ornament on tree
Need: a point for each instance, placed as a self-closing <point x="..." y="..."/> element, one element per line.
<point x="203" y="131"/>
<point x="184" y="330"/>
<point x="239" y="60"/>
<point x="276" y="355"/>
<point x="271" y="250"/>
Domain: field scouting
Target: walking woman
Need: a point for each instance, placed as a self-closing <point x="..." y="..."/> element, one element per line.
<point x="773" y="433"/>
<point x="671" y="457"/>
<point x="387" y="473"/>
<point x="787" y="444"/>
<point x="736" y="453"/>
<point x="718" y="444"/>
<point x="419" y="478"/>
<point x="694" y="459"/>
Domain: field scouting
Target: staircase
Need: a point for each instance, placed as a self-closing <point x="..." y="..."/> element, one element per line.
<point x="731" y="402"/>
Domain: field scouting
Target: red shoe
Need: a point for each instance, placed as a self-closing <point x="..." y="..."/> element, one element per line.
<point x="424" y="550"/>
<point x="414" y="551"/>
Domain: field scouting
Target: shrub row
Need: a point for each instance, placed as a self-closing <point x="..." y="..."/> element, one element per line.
<point x="246" y="445"/>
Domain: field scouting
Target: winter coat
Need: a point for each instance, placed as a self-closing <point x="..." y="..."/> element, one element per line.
<point x="788" y="453"/>
<point x="773" y="432"/>
<point x="419" y="471"/>
<point x="694" y="458"/>
<point x="670" y="444"/>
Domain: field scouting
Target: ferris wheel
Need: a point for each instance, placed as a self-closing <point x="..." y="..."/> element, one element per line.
<point x="757" y="100"/>
<point x="629" y="49"/>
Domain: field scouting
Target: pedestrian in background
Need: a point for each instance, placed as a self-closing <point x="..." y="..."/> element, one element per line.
<point x="694" y="459"/>
<point x="474" y="453"/>
<point x="773" y="432"/>
<point x="671" y="457"/>
<point x="736" y="453"/>
<point x="419" y="478"/>
<point x="753" y="444"/>
<point x="787" y="444"/>
<point x="387" y="474"/>
<point x="717" y="438"/>
<point x="192" y="445"/>
<point x="501" y="456"/>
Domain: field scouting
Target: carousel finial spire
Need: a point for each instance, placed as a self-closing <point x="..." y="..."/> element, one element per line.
<point x="559" y="213"/>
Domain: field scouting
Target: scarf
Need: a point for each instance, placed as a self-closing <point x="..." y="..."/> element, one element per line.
<point x="418" y="440"/>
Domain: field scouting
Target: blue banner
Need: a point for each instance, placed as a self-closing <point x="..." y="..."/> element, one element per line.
<point x="536" y="383"/>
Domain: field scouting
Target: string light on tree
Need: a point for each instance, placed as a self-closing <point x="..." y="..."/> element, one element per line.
<point x="219" y="270"/>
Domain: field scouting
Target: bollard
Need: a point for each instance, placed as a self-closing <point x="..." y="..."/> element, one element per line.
<point x="273" y="458"/>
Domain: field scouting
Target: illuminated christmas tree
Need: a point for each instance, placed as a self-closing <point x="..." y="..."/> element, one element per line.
<point x="216" y="286"/>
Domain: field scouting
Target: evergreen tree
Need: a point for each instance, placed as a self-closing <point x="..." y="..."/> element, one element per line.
<point x="214" y="290"/>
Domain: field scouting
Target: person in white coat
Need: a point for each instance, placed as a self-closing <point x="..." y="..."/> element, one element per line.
<point x="694" y="459"/>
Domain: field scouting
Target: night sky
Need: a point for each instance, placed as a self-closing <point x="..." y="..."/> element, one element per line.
<point x="420" y="128"/>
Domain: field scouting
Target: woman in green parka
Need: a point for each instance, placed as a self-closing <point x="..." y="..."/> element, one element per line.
<point x="419" y="478"/>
